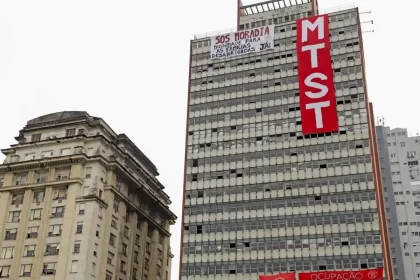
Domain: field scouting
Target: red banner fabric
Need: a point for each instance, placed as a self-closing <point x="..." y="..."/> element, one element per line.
<point x="316" y="78"/>
<point x="369" y="274"/>
<point x="281" y="276"/>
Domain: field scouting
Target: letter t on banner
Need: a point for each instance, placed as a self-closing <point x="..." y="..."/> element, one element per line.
<point x="281" y="276"/>
<point x="316" y="78"/>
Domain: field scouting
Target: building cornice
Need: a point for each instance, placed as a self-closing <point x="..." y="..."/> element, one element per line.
<point x="82" y="158"/>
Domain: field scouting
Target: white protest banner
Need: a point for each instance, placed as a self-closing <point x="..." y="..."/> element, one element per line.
<point x="242" y="42"/>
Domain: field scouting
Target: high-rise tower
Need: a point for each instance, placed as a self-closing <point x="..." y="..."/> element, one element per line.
<point x="281" y="166"/>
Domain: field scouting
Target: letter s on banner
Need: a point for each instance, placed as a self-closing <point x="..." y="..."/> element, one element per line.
<point x="316" y="78"/>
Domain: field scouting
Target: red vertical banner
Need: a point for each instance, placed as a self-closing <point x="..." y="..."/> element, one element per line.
<point x="281" y="276"/>
<point x="316" y="78"/>
<point x="368" y="274"/>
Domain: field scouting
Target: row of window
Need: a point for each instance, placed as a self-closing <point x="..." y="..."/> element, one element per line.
<point x="26" y="269"/>
<point x="273" y="266"/>
<point x="279" y="203"/>
<point x="17" y="198"/>
<point x="334" y="31"/>
<point x="37" y="137"/>
<point x="35" y="214"/>
<point x="216" y="116"/>
<point x="280" y="168"/>
<point x="289" y="70"/>
<point x="282" y="186"/>
<point x="352" y="84"/>
<point x="44" y="154"/>
<point x="283" y="222"/>
<point x="247" y="158"/>
<point x="254" y="126"/>
<point x="280" y="153"/>
<point x="269" y="244"/>
<point x="349" y="45"/>
<point x="269" y="58"/>
<point x="273" y="82"/>
<point x="214" y="107"/>
<point x="255" y="142"/>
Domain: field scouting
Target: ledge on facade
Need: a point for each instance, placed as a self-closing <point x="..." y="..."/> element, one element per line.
<point x="43" y="162"/>
<point x="122" y="138"/>
<point x="92" y="197"/>
<point x="137" y="208"/>
<point x="54" y="183"/>
<point x="140" y="186"/>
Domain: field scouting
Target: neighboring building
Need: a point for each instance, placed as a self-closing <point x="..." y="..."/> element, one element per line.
<point x="399" y="156"/>
<point x="81" y="202"/>
<point x="260" y="197"/>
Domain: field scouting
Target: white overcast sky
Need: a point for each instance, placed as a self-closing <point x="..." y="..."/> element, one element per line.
<point x="127" y="62"/>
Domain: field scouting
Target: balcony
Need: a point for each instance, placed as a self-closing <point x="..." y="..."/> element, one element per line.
<point x="61" y="197"/>
<point x="62" y="177"/>
<point x="17" y="201"/>
<point x="51" y="252"/>
<point x="30" y="254"/>
<point x="10" y="236"/>
<point x="48" y="272"/>
<point x="32" y="235"/>
<point x="42" y="179"/>
<point x="52" y="234"/>
<point x="57" y="215"/>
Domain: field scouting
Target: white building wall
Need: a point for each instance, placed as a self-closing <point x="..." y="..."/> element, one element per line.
<point x="403" y="153"/>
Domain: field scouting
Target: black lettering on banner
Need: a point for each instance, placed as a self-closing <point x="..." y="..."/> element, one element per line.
<point x="265" y="46"/>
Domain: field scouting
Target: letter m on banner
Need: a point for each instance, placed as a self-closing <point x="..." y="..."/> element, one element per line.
<point x="281" y="276"/>
<point x="316" y="78"/>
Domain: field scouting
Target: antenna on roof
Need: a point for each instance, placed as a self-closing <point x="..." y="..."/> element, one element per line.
<point x="369" y="21"/>
<point x="362" y="13"/>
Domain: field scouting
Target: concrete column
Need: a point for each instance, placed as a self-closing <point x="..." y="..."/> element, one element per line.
<point x="18" y="252"/>
<point x="76" y="171"/>
<point x="111" y="178"/>
<point x="107" y="218"/>
<point x="5" y="200"/>
<point x="153" y="256"/>
<point x="68" y="231"/>
<point x="31" y="177"/>
<point x="131" y="246"/>
<point x="8" y="180"/>
<point x="42" y="232"/>
<point x="165" y="246"/>
<point x="143" y="240"/>
<point x="51" y="174"/>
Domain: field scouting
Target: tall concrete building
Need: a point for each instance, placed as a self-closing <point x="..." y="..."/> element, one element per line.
<point x="399" y="157"/>
<point x="78" y="201"/>
<point x="261" y="196"/>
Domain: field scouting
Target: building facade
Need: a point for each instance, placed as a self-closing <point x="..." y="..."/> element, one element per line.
<point x="399" y="156"/>
<point x="260" y="197"/>
<point x="79" y="201"/>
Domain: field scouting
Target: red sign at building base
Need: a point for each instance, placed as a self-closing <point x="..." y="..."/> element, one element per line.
<point x="281" y="276"/>
<point x="369" y="274"/>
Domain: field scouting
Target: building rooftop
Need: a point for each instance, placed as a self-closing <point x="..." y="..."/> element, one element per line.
<point x="67" y="117"/>
<point x="270" y="6"/>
